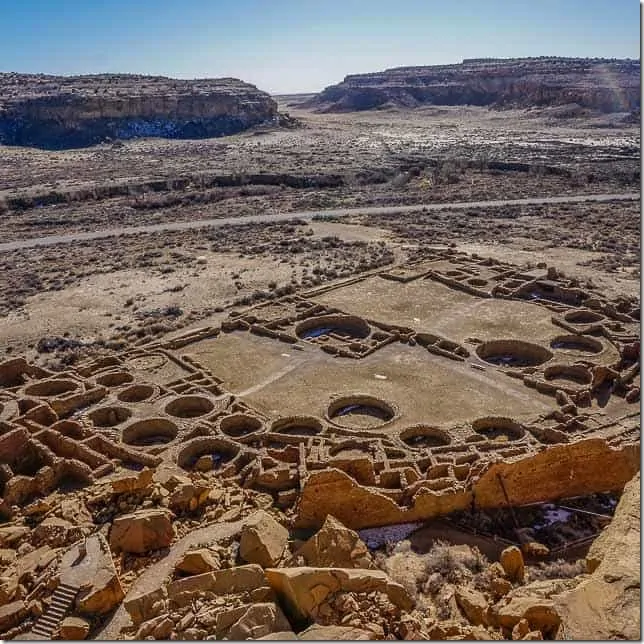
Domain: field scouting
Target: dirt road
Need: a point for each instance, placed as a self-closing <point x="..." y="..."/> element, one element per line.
<point x="52" y="240"/>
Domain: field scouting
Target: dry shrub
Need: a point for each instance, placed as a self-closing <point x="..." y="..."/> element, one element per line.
<point x="558" y="569"/>
<point x="428" y="573"/>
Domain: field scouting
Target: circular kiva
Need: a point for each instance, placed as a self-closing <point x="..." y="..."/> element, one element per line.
<point x="422" y="436"/>
<point x="577" y="343"/>
<point x="189" y="406"/>
<point x="498" y="428"/>
<point x="136" y="393"/>
<point x="240" y="425"/>
<point x="114" y="378"/>
<point x="297" y="426"/>
<point x="206" y="452"/>
<point x="513" y="353"/>
<point x="568" y="373"/>
<point x="360" y="411"/>
<point x="583" y="316"/>
<point x="53" y="387"/>
<point x="346" y="326"/>
<point x="109" y="416"/>
<point x="150" y="432"/>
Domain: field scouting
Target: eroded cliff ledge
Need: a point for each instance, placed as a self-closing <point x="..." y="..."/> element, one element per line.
<point x="606" y="85"/>
<point x="65" y="112"/>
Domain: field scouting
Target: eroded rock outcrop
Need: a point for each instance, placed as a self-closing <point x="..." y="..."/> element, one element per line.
<point x="604" y="85"/>
<point x="607" y="606"/>
<point x="74" y="111"/>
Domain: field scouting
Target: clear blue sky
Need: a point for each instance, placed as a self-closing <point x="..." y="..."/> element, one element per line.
<point x="301" y="45"/>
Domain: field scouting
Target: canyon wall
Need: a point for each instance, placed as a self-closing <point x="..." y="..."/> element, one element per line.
<point x="64" y="112"/>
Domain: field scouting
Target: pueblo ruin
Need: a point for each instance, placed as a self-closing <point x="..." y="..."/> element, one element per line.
<point x="376" y="421"/>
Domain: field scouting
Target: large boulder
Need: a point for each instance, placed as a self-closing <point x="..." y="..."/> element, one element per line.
<point x="304" y="589"/>
<point x="263" y="540"/>
<point x="607" y="605"/>
<point x="513" y="564"/>
<point x="142" y="531"/>
<point x="335" y="546"/>
<point x="101" y="589"/>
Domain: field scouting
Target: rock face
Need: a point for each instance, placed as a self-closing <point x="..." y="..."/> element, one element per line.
<point x="598" y="84"/>
<point x="607" y="606"/>
<point x="58" y="112"/>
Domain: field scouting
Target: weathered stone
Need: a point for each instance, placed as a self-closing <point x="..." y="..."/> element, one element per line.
<point x="12" y="614"/>
<point x="101" y="589"/>
<point x="535" y="549"/>
<point x="140" y="606"/>
<point x="304" y="589"/>
<point x="541" y="614"/>
<point x="335" y="546"/>
<point x="11" y="535"/>
<point x="74" y="628"/>
<point x="533" y="635"/>
<point x="125" y="483"/>
<point x="142" y="531"/>
<point x="473" y="604"/>
<point x="197" y="562"/>
<point x="332" y="632"/>
<point x="513" y="564"/>
<point x="56" y="532"/>
<point x="258" y="620"/>
<point x="520" y="629"/>
<point x="607" y="605"/>
<point x="282" y="635"/>
<point x="163" y="629"/>
<point x="228" y="580"/>
<point x="263" y="540"/>
<point x="500" y="587"/>
<point x="8" y="587"/>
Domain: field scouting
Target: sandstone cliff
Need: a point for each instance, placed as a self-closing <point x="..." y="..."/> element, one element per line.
<point x="597" y="84"/>
<point x="607" y="605"/>
<point x="64" y="112"/>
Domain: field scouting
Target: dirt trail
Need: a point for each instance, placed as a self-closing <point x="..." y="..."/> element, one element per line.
<point x="52" y="240"/>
